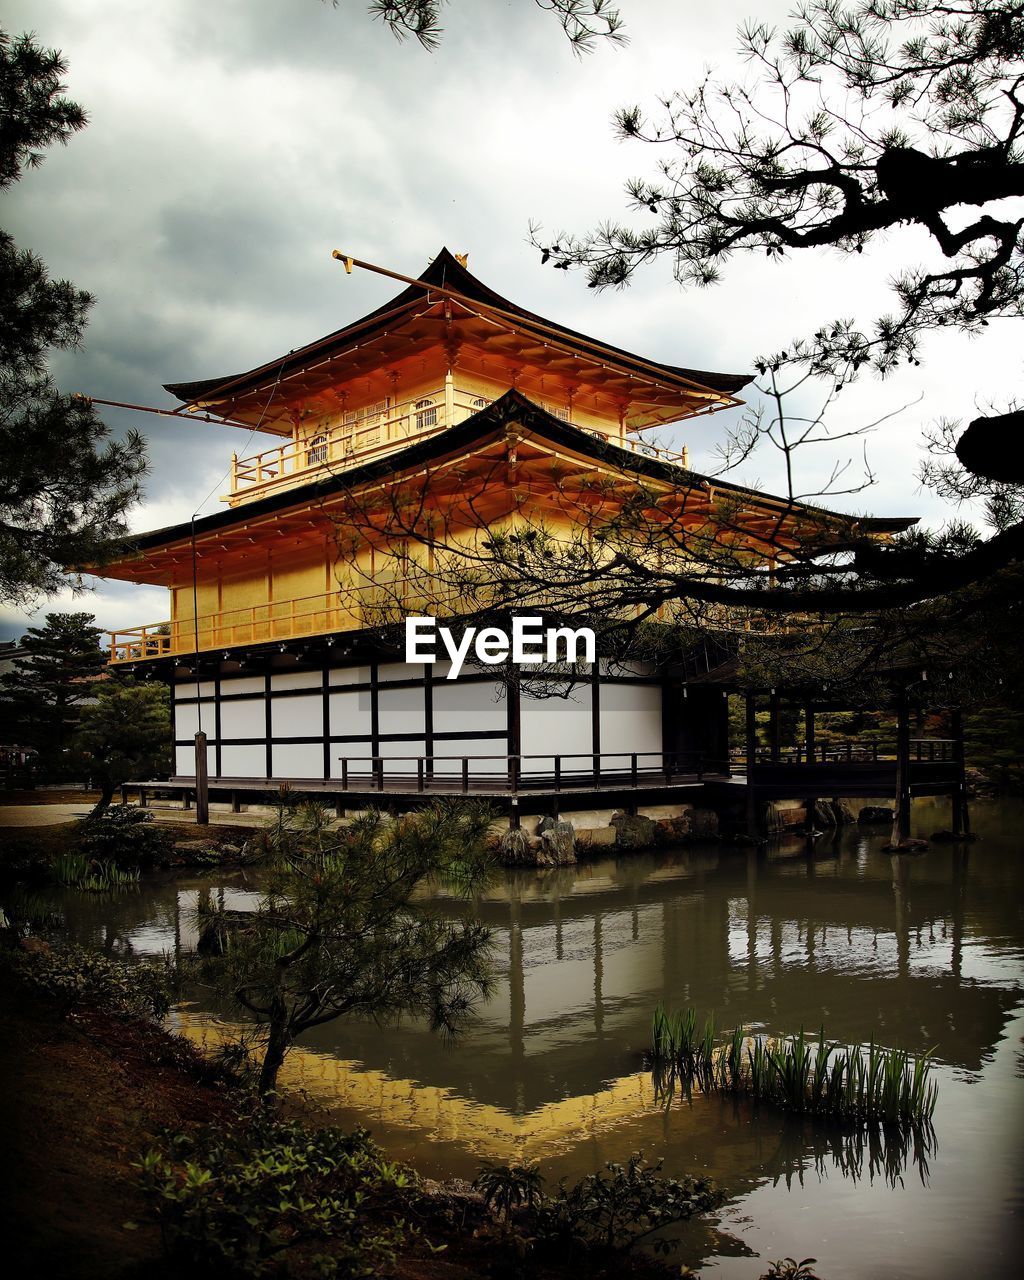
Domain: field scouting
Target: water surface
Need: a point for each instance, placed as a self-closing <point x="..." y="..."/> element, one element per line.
<point x="924" y="953"/>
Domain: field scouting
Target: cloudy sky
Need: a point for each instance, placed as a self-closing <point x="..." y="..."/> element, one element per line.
<point x="232" y="145"/>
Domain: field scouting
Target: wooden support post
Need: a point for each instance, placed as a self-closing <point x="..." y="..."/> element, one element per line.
<point x="809" y="731"/>
<point x="750" y="746"/>
<point x="235" y="806"/>
<point x="901" y="819"/>
<point x="202" y="783"/>
<point x="751" y="753"/>
<point x="465" y="774"/>
<point x="124" y="792"/>
<point x="961" y="814"/>
<point x="773" y="726"/>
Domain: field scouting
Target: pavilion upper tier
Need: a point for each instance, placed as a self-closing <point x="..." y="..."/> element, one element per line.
<point x="427" y="360"/>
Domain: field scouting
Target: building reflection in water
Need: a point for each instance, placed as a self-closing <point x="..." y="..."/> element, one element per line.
<point x="921" y="953"/>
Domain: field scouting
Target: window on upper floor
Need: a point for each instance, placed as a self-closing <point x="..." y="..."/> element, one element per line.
<point x="316" y="450"/>
<point x="426" y="414"/>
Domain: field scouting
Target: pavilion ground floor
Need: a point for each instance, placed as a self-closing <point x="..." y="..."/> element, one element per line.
<point x="356" y="726"/>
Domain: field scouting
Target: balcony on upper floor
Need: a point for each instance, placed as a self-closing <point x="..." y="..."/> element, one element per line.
<point x="377" y="430"/>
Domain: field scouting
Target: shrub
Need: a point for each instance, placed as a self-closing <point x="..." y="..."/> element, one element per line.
<point x="790" y="1269"/>
<point x="621" y="1205"/>
<point x="75" y="977"/>
<point x="505" y="1187"/>
<point x="243" y="1199"/>
<point x="124" y="835"/>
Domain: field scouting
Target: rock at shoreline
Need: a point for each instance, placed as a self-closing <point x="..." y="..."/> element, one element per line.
<point x="634" y="832"/>
<point x="875" y="813"/>
<point x="558" y="845"/>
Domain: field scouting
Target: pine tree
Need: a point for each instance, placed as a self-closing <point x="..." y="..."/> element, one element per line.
<point x="53" y="675"/>
<point x="64" y="484"/>
<point x="124" y="734"/>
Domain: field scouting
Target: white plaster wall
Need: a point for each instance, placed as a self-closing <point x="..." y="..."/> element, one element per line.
<point x="401" y="711"/>
<point x="349" y="675"/>
<point x="300" y="717"/>
<point x="460" y="707"/>
<point x="358" y="754"/>
<point x="242" y="684"/>
<point x="243" y="719"/>
<point x="186" y="721"/>
<point x="185" y="761"/>
<point x="350" y="712"/>
<point x="556" y="726"/>
<point x="296" y="680"/>
<point x="631" y="719"/>
<point x="304" y="760"/>
<point x="470" y="747"/>
<point x="399" y="671"/>
<point x="243" y="762"/>
<point x="407" y="747"/>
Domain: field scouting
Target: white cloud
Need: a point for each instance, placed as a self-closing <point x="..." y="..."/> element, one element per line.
<point x="231" y="146"/>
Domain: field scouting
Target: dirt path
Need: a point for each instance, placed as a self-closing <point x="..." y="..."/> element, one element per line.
<point x="74" y="1114"/>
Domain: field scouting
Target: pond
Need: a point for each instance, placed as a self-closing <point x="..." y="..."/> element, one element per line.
<point x="922" y="952"/>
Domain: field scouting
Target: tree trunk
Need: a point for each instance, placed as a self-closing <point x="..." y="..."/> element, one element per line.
<point x="103" y="803"/>
<point x="278" y="1044"/>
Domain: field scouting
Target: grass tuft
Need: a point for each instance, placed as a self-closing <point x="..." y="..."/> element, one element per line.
<point x="807" y="1076"/>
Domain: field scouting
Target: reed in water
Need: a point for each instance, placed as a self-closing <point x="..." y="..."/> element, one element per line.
<point x="806" y="1075"/>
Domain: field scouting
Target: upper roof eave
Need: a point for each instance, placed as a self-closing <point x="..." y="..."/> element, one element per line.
<point x="446" y="272"/>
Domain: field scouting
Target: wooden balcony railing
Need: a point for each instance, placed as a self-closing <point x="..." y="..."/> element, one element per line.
<point x="365" y="435"/>
<point x="344" y="609"/>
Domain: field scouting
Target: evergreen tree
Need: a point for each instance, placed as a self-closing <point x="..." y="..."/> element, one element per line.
<point x="880" y="118"/>
<point x="338" y="930"/>
<point x="54" y="673"/>
<point x="583" y="22"/>
<point x="64" y="485"/>
<point x="124" y="734"/>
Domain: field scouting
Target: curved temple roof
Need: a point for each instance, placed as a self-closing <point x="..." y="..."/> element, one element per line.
<point x="446" y="272"/>
<point x="491" y="422"/>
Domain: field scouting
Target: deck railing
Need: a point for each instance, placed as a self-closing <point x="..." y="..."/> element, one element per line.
<point x="555" y="772"/>
<point x="368" y="435"/>
<point x="850" y="751"/>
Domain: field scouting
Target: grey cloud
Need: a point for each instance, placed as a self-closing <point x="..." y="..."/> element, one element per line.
<point x="232" y="145"/>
